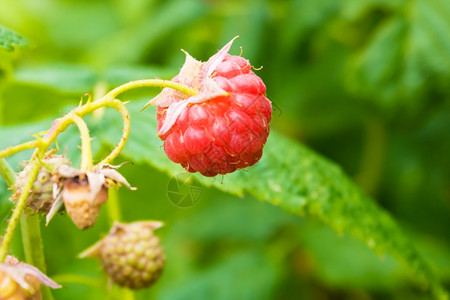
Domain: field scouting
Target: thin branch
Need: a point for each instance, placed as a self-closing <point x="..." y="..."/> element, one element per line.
<point x="7" y="172"/>
<point x="14" y="149"/>
<point x="120" y="107"/>
<point x="6" y="240"/>
<point x="86" y="151"/>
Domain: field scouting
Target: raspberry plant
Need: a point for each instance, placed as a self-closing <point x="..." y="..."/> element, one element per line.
<point x="288" y="174"/>
<point x="47" y="181"/>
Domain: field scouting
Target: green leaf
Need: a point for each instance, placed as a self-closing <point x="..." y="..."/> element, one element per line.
<point x="289" y="175"/>
<point x="293" y="177"/>
<point x="129" y="46"/>
<point x="68" y="140"/>
<point x="14" y="135"/>
<point x="9" y="40"/>
<point x="117" y="75"/>
<point x="71" y="78"/>
<point x="405" y="52"/>
<point x="237" y="269"/>
<point x="212" y="222"/>
<point x="5" y="204"/>
<point x="249" y="22"/>
<point x="61" y="77"/>
<point x="350" y="263"/>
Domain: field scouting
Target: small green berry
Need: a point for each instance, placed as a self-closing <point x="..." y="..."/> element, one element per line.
<point x="41" y="197"/>
<point x="127" y="256"/>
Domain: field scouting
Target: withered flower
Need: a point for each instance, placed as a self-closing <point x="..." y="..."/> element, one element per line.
<point x="22" y="281"/>
<point x="84" y="192"/>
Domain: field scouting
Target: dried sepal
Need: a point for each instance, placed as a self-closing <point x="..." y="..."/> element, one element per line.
<point x="212" y="63"/>
<point x="109" y="171"/>
<point x="97" y="177"/>
<point x="82" y="205"/>
<point x="188" y="73"/>
<point x="57" y="206"/>
<point x="173" y="112"/>
<point x="84" y="192"/>
<point x="196" y="75"/>
<point x="22" y="281"/>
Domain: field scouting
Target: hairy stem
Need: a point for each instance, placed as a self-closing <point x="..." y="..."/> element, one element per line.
<point x="150" y="83"/>
<point x="61" y="124"/>
<point x="7" y="172"/>
<point x="31" y="239"/>
<point x="127" y="294"/>
<point x="6" y="241"/>
<point x="14" y="149"/>
<point x="113" y="206"/>
<point x="33" y="248"/>
<point x="86" y="151"/>
<point x="31" y="232"/>
<point x="120" y="107"/>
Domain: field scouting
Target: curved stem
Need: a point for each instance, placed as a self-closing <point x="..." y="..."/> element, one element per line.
<point x="120" y="107"/>
<point x="86" y="151"/>
<point x="32" y="241"/>
<point x="31" y="232"/>
<point x="151" y="83"/>
<point x="61" y="124"/>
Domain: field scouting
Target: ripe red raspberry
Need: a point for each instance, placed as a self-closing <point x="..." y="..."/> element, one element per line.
<point x="225" y="126"/>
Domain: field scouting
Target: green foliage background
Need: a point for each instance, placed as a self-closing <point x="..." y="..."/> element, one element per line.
<point x="362" y="82"/>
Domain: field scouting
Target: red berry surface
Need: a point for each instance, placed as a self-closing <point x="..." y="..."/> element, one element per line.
<point x="225" y="132"/>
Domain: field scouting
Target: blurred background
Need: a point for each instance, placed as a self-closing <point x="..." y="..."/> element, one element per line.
<point x="365" y="83"/>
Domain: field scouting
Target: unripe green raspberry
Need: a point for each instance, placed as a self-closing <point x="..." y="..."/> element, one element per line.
<point x="40" y="198"/>
<point x="130" y="254"/>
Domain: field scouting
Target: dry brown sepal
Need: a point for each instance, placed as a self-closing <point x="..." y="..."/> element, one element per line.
<point x="21" y="281"/>
<point x="84" y="192"/>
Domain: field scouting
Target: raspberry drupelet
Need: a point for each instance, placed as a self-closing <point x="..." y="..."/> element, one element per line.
<point x="225" y="126"/>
